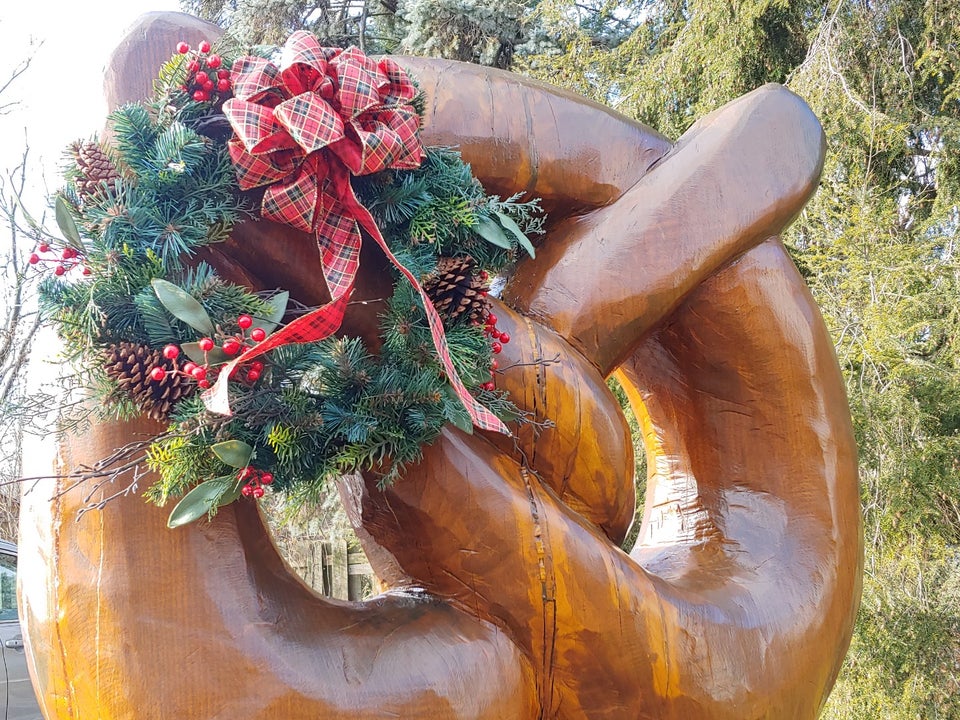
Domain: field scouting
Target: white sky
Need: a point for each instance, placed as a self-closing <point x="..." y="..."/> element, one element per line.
<point x="60" y="96"/>
<point x="60" y="99"/>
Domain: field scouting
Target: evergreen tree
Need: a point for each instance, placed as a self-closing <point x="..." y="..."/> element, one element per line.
<point x="487" y="32"/>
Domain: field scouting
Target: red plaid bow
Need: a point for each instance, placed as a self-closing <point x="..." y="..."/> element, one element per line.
<point x="301" y="129"/>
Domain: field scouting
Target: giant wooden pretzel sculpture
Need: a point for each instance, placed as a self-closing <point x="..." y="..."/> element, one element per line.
<point x="662" y="260"/>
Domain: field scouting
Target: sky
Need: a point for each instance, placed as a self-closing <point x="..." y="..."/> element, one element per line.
<point x="59" y="99"/>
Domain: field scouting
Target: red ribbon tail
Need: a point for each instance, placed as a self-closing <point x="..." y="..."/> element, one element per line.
<point x="315" y="325"/>
<point x="481" y="416"/>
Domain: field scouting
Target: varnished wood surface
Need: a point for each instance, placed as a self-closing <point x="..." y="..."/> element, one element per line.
<point x="738" y="601"/>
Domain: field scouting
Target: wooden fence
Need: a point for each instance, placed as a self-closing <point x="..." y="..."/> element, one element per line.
<point x="332" y="568"/>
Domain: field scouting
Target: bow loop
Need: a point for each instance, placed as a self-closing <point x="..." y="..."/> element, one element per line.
<point x="379" y="141"/>
<point x="303" y="66"/>
<point x="255" y="171"/>
<point x="400" y="88"/>
<point x="254" y="78"/>
<point x="361" y="81"/>
<point x="257" y="127"/>
<point x="310" y="121"/>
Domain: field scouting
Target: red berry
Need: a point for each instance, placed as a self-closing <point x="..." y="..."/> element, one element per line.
<point x="157" y="374"/>
<point x="253" y="376"/>
<point x="258" y="334"/>
<point x="69" y="253"/>
<point x="494" y="364"/>
<point x="489" y="385"/>
<point x="183" y="48"/>
<point x="203" y="383"/>
<point x="204" y="46"/>
<point x="87" y="271"/>
<point x="60" y="270"/>
<point x="206" y="344"/>
<point x="504" y="338"/>
<point x="496" y="347"/>
<point x="189" y="368"/>
<point x="199" y="373"/>
<point x="200" y="95"/>
<point x="208" y="85"/>
<point x="258" y="492"/>
<point x="43" y="247"/>
<point x="247" y="490"/>
<point x="193" y="66"/>
<point x="266" y="478"/>
<point x="223" y="74"/>
<point x="171" y="351"/>
<point x="256" y="365"/>
<point x="223" y="85"/>
<point x="200" y="78"/>
<point x="246" y="473"/>
<point x="491" y="320"/>
<point x="34" y="259"/>
<point x="231" y="346"/>
<point x="484" y="275"/>
<point x="214" y="61"/>
<point x="244" y="321"/>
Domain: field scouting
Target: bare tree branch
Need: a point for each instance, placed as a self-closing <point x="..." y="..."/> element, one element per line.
<point x="19" y="70"/>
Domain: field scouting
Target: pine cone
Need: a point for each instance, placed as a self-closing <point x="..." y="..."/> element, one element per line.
<point x="457" y="291"/>
<point x="97" y="171"/>
<point x="130" y="364"/>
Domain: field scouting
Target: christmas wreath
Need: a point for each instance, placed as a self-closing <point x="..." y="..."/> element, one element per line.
<point x="258" y="391"/>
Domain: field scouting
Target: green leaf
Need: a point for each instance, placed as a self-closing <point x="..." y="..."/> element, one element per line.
<point x="492" y="232"/>
<point x="234" y="453"/>
<point x="232" y="493"/>
<point x="200" y="501"/>
<point x="456" y="413"/>
<point x="277" y="309"/>
<point x="26" y="215"/>
<point x="510" y="225"/>
<point x="214" y="357"/>
<point x="67" y="226"/>
<point x="182" y="306"/>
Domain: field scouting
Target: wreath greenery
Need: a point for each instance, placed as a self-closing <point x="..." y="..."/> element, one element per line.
<point x="150" y="325"/>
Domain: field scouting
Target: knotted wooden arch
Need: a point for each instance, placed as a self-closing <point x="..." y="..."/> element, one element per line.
<point x="663" y="265"/>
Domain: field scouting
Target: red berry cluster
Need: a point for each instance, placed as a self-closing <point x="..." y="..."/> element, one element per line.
<point x="231" y="345"/>
<point x="236" y="344"/>
<point x="499" y="340"/>
<point x="62" y="261"/>
<point x="207" y="78"/>
<point x="189" y="369"/>
<point x="256" y="479"/>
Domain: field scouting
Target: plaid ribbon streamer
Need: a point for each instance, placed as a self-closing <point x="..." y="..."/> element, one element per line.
<point x="301" y="129"/>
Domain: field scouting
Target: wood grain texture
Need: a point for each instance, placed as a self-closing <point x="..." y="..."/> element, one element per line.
<point x="661" y="264"/>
